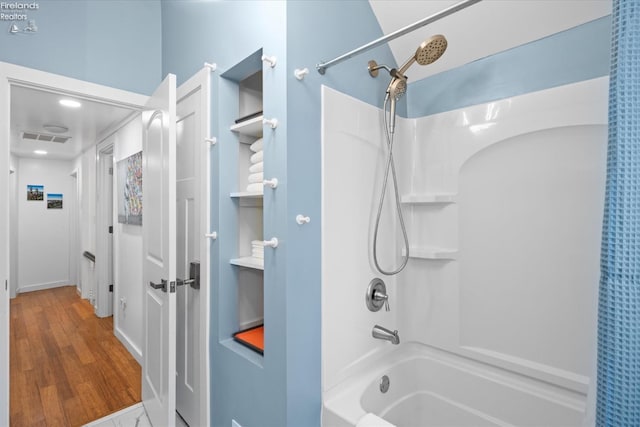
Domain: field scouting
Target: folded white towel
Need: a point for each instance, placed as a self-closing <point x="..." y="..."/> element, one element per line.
<point x="257" y="157"/>
<point x="255" y="188"/>
<point x="257" y="254"/>
<point x="256" y="177"/>
<point x="372" y="420"/>
<point x="256" y="146"/>
<point x="258" y="167"/>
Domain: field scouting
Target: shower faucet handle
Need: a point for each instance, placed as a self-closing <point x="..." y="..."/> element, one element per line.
<point x="381" y="296"/>
<point x="376" y="295"/>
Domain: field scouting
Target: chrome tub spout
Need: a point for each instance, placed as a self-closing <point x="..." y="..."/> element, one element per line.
<point x="381" y="333"/>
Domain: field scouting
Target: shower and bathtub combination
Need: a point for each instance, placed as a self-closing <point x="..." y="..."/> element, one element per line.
<point x="488" y="247"/>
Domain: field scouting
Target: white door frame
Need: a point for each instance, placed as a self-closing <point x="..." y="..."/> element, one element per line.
<point x="202" y="81"/>
<point x="104" y="298"/>
<point x="11" y="74"/>
<point x="74" y="244"/>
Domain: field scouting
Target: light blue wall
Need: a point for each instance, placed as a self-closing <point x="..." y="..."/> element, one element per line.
<point x="283" y="388"/>
<point x="580" y="53"/>
<point x="317" y="31"/>
<point x="111" y="42"/>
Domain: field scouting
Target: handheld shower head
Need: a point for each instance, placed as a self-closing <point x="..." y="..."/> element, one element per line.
<point x="397" y="87"/>
<point x="428" y="52"/>
<point x="395" y="90"/>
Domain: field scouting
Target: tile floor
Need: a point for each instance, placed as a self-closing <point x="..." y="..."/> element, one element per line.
<point x="133" y="416"/>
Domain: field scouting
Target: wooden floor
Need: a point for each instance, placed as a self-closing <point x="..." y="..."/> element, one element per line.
<point x="67" y="367"/>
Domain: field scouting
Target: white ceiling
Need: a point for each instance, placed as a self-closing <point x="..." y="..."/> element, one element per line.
<point x="33" y="108"/>
<point x="480" y="30"/>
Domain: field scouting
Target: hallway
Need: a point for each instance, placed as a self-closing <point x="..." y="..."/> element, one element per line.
<point x="67" y="367"/>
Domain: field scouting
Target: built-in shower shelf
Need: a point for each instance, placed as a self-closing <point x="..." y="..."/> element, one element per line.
<point x="431" y="252"/>
<point x="252" y="127"/>
<point x="249" y="262"/>
<point x="428" y="198"/>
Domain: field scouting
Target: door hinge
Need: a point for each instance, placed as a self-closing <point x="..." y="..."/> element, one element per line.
<point x="111" y="229"/>
<point x="5" y="285"/>
<point x="110" y="288"/>
<point x="110" y="171"/>
<point x="172" y="287"/>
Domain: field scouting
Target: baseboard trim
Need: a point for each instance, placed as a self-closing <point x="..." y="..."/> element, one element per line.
<point x="129" y="345"/>
<point x="41" y="286"/>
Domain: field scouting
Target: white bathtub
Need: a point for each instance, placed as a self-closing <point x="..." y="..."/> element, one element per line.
<point x="429" y="387"/>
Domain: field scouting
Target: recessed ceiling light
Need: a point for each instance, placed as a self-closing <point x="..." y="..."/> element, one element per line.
<point x="55" y="128"/>
<point x="71" y="103"/>
<point x="40" y="152"/>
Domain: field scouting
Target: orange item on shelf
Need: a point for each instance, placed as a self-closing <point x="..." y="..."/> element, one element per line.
<point x="252" y="338"/>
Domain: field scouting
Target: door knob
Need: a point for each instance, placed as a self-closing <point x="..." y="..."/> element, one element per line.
<point x="162" y="285"/>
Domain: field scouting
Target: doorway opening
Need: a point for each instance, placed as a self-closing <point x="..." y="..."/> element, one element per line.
<point x="85" y="209"/>
<point x="61" y="264"/>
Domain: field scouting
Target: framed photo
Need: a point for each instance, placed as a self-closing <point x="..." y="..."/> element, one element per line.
<point x="35" y="192"/>
<point x="54" y="201"/>
<point x="129" y="187"/>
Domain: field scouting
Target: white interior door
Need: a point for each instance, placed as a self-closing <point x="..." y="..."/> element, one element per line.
<point x="191" y="129"/>
<point x="159" y="254"/>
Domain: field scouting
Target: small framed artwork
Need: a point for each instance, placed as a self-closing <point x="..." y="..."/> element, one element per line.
<point x="35" y="192"/>
<point x="130" y="190"/>
<point x="54" y="201"/>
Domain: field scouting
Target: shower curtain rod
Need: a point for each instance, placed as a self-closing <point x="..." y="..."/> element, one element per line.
<point x="322" y="67"/>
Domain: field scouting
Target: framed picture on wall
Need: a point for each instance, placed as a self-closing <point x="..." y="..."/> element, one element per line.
<point x="35" y="192"/>
<point x="54" y="201"/>
<point x="129" y="187"/>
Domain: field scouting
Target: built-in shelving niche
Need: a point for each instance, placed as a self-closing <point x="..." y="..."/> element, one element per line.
<point x="432" y="225"/>
<point x="247" y="128"/>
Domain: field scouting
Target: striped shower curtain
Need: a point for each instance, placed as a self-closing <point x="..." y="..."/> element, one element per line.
<point x="618" y="392"/>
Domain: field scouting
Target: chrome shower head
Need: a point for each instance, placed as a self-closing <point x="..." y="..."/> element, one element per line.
<point x="428" y="52"/>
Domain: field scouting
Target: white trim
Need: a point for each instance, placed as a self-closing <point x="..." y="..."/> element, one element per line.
<point x="5" y="110"/>
<point x="103" y="306"/>
<point x="41" y="286"/>
<point x="126" y="341"/>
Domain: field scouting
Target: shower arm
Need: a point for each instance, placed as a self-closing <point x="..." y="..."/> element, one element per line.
<point x="373" y="68"/>
<point x="322" y="67"/>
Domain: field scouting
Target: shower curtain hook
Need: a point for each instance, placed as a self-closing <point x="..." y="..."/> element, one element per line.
<point x="300" y="73"/>
<point x="270" y="59"/>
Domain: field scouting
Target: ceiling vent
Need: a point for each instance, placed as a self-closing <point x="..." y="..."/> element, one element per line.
<point x="39" y="136"/>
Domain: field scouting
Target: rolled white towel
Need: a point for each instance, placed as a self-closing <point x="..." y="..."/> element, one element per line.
<point x="256" y="177"/>
<point x="372" y="420"/>
<point x="258" y="167"/>
<point x="257" y="243"/>
<point x="256" y="146"/>
<point x="257" y="157"/>
<point x="255" y="188"/>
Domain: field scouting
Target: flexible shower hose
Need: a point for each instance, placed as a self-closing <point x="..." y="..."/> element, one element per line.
<point x="390" y="165"/>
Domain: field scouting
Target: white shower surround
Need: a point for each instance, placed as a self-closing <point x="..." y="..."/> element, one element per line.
<point x="503" y="203"/>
